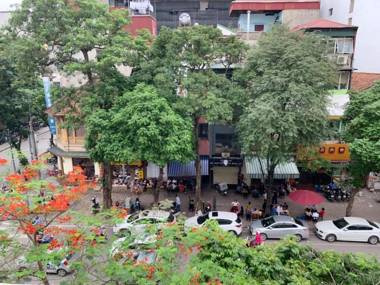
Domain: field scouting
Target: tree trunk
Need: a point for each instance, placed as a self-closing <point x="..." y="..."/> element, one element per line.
<point x="107" y="185"/>
<point x="269" y="190"/>
<point x="158" y="186"/>
<point x="198" y="169"/>
<point x="351" y="202"/>
<point x="41" y="268"/>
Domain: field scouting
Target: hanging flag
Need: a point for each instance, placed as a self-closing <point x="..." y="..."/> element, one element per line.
<point x="48" y="102"/>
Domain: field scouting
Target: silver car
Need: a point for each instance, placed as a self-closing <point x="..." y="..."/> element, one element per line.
<point x="277" y="227"/>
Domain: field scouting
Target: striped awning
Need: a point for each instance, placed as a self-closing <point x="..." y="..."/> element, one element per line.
<point x="282" y="171"/>
<point x="177" y="169"/>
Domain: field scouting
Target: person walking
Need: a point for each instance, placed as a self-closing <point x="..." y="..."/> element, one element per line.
<point x="177" y="203"/>
<point x="322" y="213"/>
<point x="248" y="211"/>
<point x="275" y="197"/>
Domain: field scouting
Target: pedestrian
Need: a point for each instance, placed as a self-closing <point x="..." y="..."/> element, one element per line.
<point x="248" y="211"/>
<point x="279" y="209"/>
<point x="275" y="196"/>
<point x="273" y="210"/>
<point x="315" y="216"/>
<point x="137" y="206"/>
<point x="258" y="238"/>
<point x="191" y="205"/>
<point x="177" y="204"/>
<point x="235" y="206"/>
<point x="322" y="214"/>
<point x="265" y="196"/>
<point x="241" y="212"/>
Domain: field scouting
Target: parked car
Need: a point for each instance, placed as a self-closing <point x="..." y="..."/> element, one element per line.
<point x="140" y="250"/>
<point x="349" y="229"/>
<point x="276" y="227"/>
<point x="228" y="221"/>
<point x="138" y="222"/>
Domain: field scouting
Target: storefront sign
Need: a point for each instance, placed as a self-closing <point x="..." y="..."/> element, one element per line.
<point x="220" y="161"/>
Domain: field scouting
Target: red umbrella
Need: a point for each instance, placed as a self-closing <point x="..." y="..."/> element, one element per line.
<point x="306" y="197"/>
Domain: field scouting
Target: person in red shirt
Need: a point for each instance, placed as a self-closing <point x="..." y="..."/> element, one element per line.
<point x="322" y="214"/>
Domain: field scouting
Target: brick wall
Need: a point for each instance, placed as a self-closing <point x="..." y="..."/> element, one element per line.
<point x="295" y="17"/>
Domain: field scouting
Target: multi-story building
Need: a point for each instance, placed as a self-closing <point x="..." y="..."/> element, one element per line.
<point x="366" y="62"/>
<point x="6" y="8"/>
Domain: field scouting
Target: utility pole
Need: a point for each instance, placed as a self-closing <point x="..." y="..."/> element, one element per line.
<point x="32" y="144"/>
<point x="11" y="149"/>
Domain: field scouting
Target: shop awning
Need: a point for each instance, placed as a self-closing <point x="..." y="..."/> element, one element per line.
<point x="177" y="169"/>
<point x="282" y="171"/>
<point x="74" y="154"/>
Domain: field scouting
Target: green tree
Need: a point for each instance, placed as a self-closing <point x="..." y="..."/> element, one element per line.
<point x="78" y="39"/>
<point x="287" y="78"/>
<point x="140" y="126"/>
<point x="180" y="65"/>
<point x="363" y="132"/>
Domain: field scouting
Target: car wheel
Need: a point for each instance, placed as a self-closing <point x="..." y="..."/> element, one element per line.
<point x="331" y="238"/>
<point x="264" y="237"/>
<point x="61" y="272"/>
<point x="233" y="232"/>
<point x="298" y="237"/>
<point x="373" y="240"/>
<point x="125" y="233"/>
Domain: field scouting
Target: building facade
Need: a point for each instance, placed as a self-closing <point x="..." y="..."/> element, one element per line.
<point x="363" y="14"/>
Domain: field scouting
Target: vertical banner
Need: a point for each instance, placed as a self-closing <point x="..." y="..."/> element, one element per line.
<point x="51" y="121"/>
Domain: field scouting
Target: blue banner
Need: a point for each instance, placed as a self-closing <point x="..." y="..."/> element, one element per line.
<point x="48" y="103"/>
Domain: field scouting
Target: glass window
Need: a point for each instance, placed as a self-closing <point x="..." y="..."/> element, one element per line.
<point x="132" y="218"/>
<point x="224" y="222"/>
<point x="331" y="10"/>
<point x="343" y="80"/>
<point x="267" y="222"/>
<point x="202" y="219"/>
<point x="259" y="28"/>
<point x="340" y="223"/>
<point x="352" y="228"/>
<point x="299" y="222"/>
<point x="364" y="228"/>
<point x="203" y="131"/>
<point x="344" y="45"/>
<point x="373" y="224"/>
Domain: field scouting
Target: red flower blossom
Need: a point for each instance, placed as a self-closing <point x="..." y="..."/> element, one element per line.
<point x="54" y="244"/>
<point x="3" y="161"/>
<point x="29" y="229"/>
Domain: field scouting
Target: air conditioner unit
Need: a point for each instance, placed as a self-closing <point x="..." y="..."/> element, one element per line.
<point x="342" y="60"/>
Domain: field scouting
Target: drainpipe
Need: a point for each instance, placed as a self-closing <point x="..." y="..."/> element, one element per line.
<point x="248" y="23"/>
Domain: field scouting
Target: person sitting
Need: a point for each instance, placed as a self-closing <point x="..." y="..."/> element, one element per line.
<point x="308" y="214"/>
<point x="235" y="207"/>
<point x="315" y="216"/>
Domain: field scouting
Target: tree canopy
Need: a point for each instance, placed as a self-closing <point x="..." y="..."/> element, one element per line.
<point x="287" y="78"/>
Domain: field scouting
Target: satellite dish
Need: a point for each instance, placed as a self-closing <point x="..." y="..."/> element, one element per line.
<point x="184" y="19"/>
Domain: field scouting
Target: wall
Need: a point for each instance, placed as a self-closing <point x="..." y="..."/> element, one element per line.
<point x="4" y="16"/>
<point x="293" y="18"/>
<point x="67" y="164"/>
<point x="257" y="19"/>
<point x="365" y="16"/>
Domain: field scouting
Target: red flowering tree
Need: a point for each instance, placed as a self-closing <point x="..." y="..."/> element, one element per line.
<point x="34" y="213"/>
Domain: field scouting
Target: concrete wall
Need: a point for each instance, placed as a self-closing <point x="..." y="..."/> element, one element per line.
<point x="4" y="16"/>
<point x="365" y="16"/>
<point x="67" y="164"/>
<point x="257" y="19"/>
<point x="293" y="18"/>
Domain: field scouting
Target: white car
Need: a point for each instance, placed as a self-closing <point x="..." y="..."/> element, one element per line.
<point x="138" y="222"/>
<point x="349" y="229"/>
<point x="228" y="221"/>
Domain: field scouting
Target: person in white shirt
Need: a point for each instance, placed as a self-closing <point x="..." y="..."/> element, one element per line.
<point x="315" y="216"/>
<point x="177" y="204"/>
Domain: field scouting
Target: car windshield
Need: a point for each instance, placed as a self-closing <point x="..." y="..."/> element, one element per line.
<point x="267" y="222"/>
<point x="202" y="219"/>
<point x="298" y="222"/>
<point x="340" y="223"/>
<point x="373" y="224"/>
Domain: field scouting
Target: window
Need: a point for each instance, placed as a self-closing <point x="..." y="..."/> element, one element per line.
<point x="344" y="45"/>
<point x="341" y="150"/>
<point x="331" y="10"/>
<point x="352" y="228"/>
<point x="331" y="149"/>
<point x="343" y="80"/>
<point x="350" y="21"/>
<point x="322" y="149"/>
<point x="259" y="28"/>
<point x="372" y="224"/>
<point x="340" y="223"/>
<point x="364" y="228"/>
<point x="224" y="222"/>
<point x="352" y="5"/>
<point x="203" y="131"/>
<point x="267" y="222"/>
<point x="284" y="226"/>
<point x="202" y="219"/>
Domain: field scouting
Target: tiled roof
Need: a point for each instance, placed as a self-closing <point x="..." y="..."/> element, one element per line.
<point x="322" y="24"/>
